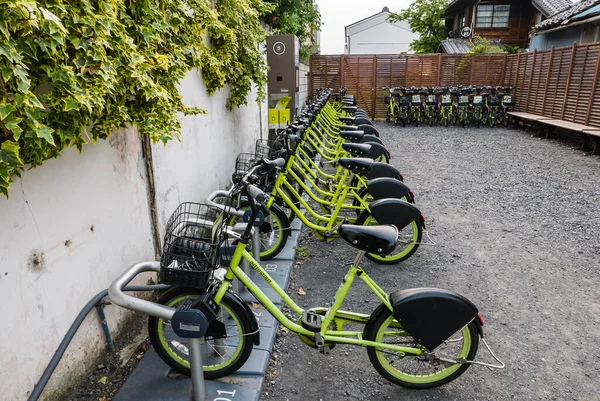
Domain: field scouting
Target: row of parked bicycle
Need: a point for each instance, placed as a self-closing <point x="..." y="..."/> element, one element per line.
<point x="330" y="170"/>
<point x="462" y="105"/>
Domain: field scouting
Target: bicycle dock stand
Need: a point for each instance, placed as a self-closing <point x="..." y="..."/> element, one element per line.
<point x="186" y="321"/>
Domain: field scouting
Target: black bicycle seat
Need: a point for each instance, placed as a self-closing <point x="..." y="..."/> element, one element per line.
<point x="350" y="108"/>
<point x="377" y="150"/>
<point x="373" y="239"/>
<point x="352" y="136"/>
<point x="357" y="149"/>
<point x="356" y="164"/>
<point x="347" y="128"/>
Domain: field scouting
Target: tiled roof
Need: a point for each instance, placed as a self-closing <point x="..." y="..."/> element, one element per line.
<point x="455" y="46"/>
<point x="551" y="7"/>
<point x="563" y="17"/>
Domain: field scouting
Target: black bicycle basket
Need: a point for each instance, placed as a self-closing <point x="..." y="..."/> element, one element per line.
<point x="191" y="245"/>
<point x="270" y="149"/>
<point x="244" y="162"/>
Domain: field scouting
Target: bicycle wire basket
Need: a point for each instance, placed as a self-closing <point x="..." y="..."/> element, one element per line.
<point x="244" y="162"/>
<point x="191" y="245"/>
<point x="269" y="149"/>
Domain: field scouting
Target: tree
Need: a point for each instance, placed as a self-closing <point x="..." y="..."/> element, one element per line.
<point x="297" y="17"/>
<point x="481" y="45"/>
<point x="425" y="17"/>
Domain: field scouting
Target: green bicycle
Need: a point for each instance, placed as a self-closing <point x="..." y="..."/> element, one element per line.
<point x="417" y="338"/>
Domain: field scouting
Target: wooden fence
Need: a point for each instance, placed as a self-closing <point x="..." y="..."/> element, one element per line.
<point x="560" y="83"/>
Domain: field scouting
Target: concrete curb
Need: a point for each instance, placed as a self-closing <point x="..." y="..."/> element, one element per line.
<point x="152" y="380"/>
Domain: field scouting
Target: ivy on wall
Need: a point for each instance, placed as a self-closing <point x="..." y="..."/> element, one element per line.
<point x="297" y="17"/>
<point x="73" y="71"/>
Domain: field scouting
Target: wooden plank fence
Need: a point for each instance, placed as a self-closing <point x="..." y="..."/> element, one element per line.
<point x="561" y="83"/>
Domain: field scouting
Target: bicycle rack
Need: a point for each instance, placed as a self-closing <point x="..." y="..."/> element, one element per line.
<point x="190" y="323"/>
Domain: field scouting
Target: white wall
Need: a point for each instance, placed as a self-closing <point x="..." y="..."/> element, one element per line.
<point x="303" y="93"/>
<point x="375" y="35"/>
<point x="85" y="219"/>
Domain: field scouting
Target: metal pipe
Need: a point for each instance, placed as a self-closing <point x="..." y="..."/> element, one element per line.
<point x="116" y="294"/>
<point x="198" y="388"/>
<point x="41" y="384"/>
<point x="109" y="339"/>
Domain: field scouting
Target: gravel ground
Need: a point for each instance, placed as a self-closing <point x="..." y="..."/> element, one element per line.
<point x="517" y="226"/>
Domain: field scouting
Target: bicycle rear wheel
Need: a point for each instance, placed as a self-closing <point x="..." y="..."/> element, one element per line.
<point x="221" y="357"/>
<point x="415" y="371"/>
<point x="409" y="238"/>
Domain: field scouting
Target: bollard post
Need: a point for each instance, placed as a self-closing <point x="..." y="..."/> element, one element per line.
<point x="198" y="385"/>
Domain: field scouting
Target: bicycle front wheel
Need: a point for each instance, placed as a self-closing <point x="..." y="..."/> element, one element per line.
<point x="416" y="371"/>
<point x="409" y="238"/>
<point x="221" y="357"/>
<point x="274" y="232"/>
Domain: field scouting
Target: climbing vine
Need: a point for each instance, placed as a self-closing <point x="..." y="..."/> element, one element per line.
<point x="73" y="71"/>
<point x="297" y="17"/>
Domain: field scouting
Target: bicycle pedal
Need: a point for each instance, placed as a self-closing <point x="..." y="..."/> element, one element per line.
<point x="311" y="321"/>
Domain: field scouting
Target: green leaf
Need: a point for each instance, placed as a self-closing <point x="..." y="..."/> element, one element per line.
<point x="9" y="153"/>
<point x="11" y="122"/>
<point x="5" y="110"/>
<point x="70" y="104"/>
<point x="46" y="132"/>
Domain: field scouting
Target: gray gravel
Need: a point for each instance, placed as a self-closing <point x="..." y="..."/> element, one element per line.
<point x="517" y="224"/>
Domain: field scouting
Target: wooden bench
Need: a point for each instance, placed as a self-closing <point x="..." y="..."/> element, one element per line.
<point x="531" y="119"/>
<point x="590" y="135"/>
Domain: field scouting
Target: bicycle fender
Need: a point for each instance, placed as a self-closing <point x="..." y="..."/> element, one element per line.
<point x="277" y="208"/>
<point x="368" y="129"/>
<point x="385" y="187"/>
<point x="432" y="315"/>
<point x="394" y="211"/>
<point x="253" y="319"/>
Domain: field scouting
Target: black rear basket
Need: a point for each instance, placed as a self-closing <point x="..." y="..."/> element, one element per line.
<point x="190" y="251"/>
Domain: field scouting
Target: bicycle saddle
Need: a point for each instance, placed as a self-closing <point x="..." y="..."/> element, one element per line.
<point x="350" y="108"/>
<point x="381" y="170"/>
<point x="355" y="120"/>
<point x="373" y="239"/>
<point x="356" y="164"/>
<point x="347" y="128"/>
<point x="368" y="129"/>
<point x="352" y="136"/>
<point x="376" y="151"/>
<point x="394" y="211"/>
<point x="384" y="187"/>
<point x="357" y="149"/>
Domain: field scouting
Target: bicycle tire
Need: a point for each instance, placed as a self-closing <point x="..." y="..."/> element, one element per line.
<point x="381" y="320"/>
<point x="270" y="249"/>
<point x="172" y="350"/>
<point x="415" y="233"/>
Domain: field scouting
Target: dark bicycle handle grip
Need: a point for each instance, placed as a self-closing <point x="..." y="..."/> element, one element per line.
<point x="256" y="193"/>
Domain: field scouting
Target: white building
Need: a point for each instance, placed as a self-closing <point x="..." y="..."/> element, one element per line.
<point x="376" y="35"/>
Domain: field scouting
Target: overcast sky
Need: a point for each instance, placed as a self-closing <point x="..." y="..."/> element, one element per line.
<point x="336" y="14"/>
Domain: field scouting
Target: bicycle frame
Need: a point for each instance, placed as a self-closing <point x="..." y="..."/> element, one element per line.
<point x="332" y="313"/>
<point x="340" y="195"/>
